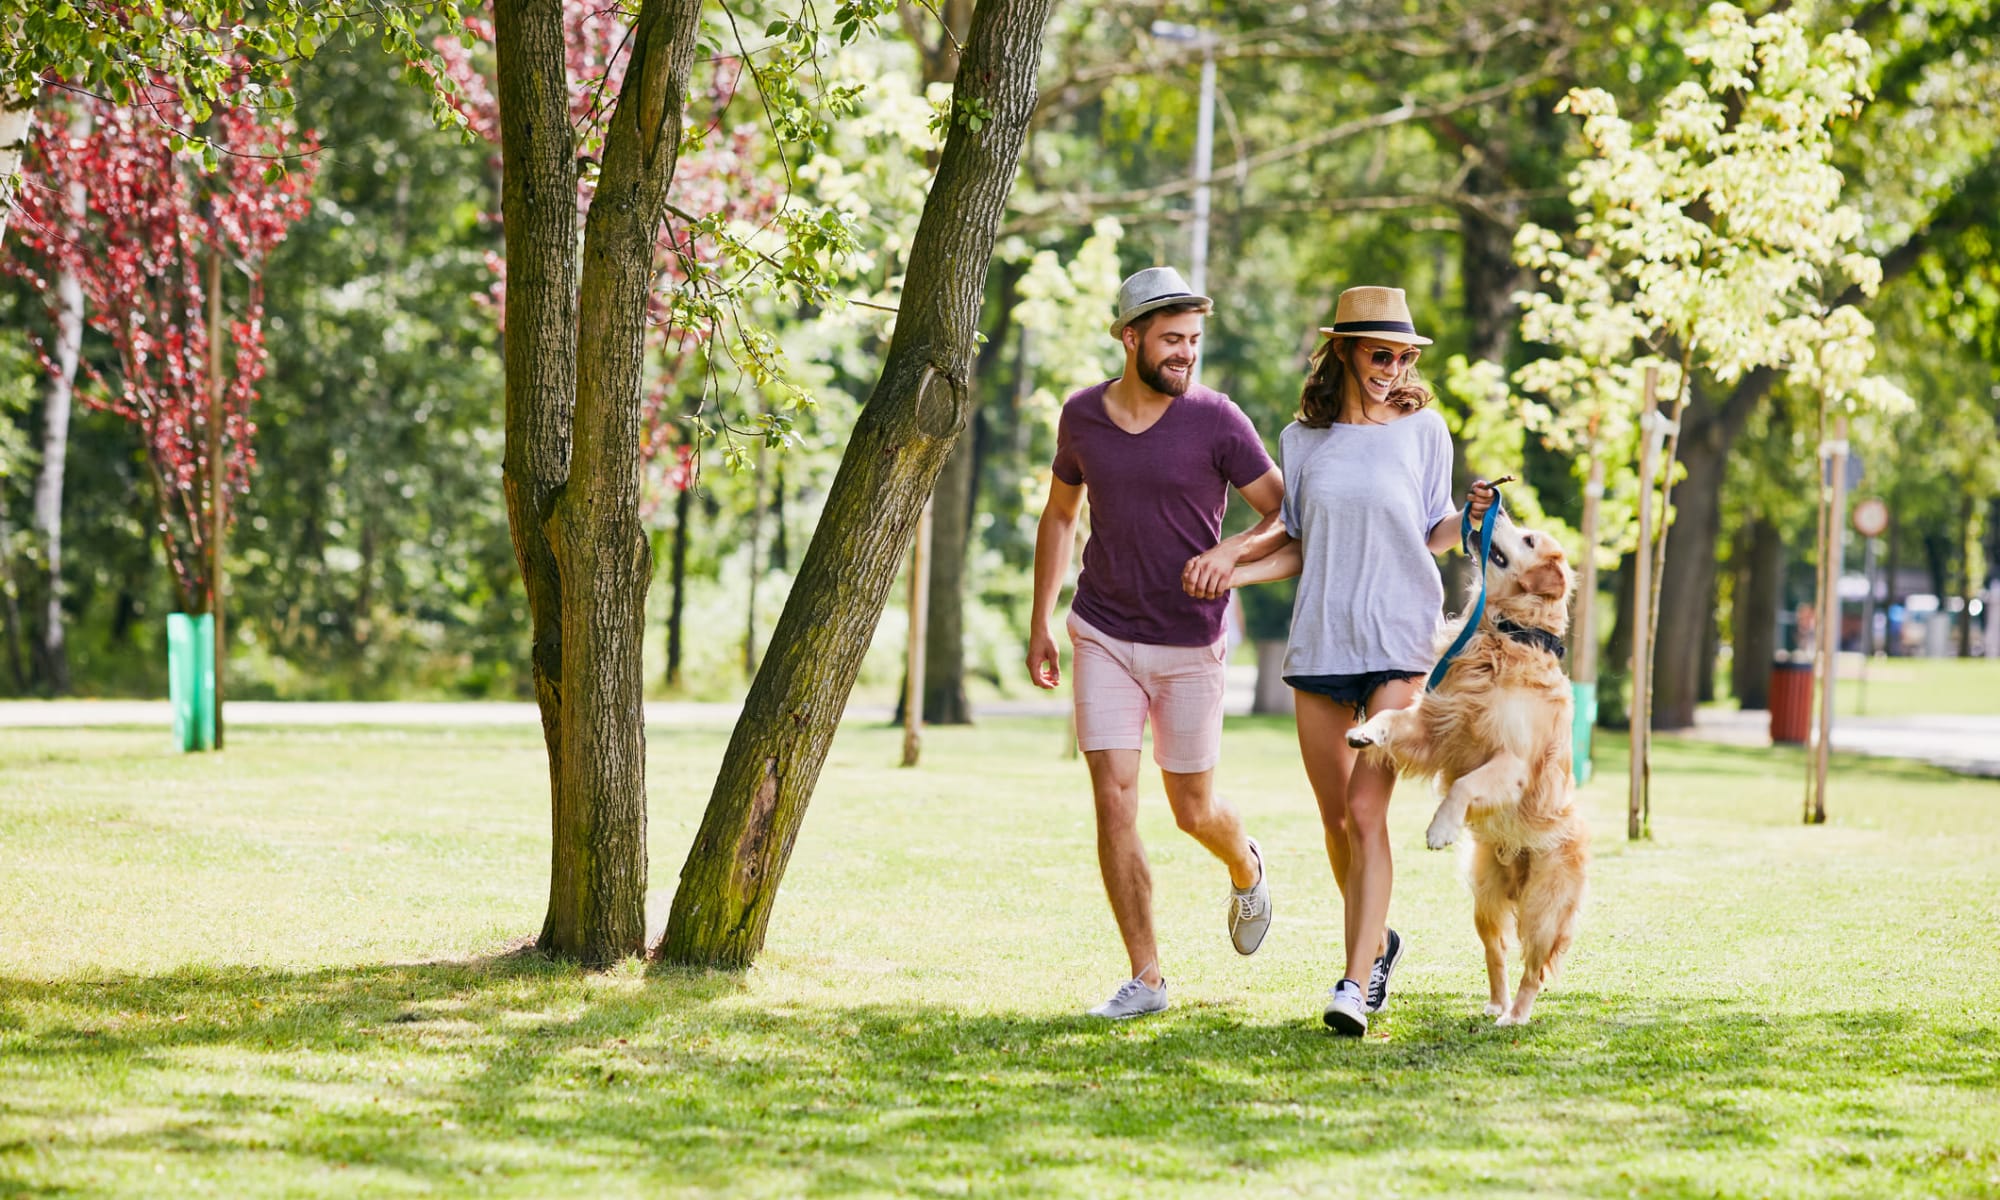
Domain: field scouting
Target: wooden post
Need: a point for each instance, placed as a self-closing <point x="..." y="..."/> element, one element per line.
<point x="1833" y="544"/>
<point x="1642" y="609"/>
<point x="218" y="475"/>
<point x="920" y="599"/>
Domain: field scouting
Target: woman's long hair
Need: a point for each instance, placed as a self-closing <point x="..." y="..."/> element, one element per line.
<point x="1326" y="382"/>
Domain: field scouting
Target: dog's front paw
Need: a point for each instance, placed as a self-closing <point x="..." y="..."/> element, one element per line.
<point x="1493" y="1010"/>
<point x="1362" y="736"/>
<point x="1443" y="832"/>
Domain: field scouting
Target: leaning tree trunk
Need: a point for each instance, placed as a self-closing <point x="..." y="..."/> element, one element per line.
<point x="1614" y="672"/>
<point x="574" y="362"/>
<point x="906" y="430"/>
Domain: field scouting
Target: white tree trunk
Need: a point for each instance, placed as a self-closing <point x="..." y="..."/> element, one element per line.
<point x="17" y="125"/>
<point x="52" y="654"/>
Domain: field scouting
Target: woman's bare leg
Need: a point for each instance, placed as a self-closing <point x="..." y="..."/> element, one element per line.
<point x="1370" y="872"/>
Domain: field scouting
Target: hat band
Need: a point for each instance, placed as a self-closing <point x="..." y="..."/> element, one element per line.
<point x="1374" y="327"/>
<point x="1168" y="296"/>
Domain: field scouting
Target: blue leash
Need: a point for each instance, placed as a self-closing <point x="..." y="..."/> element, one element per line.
<point x="1479" y="608"/>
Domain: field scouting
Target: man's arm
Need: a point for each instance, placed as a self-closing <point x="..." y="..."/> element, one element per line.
<point x="1055" y="540"/>
<point x="1206" y="576"/>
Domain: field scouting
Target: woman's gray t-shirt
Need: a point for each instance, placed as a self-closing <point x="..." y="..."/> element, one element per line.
<point x="1362" y="500"/>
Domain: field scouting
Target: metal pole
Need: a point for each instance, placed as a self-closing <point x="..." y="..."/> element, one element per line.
<point x="1204" y="150"/>
<point x="1867" y="625"/>
<point x="1829" y="616"/>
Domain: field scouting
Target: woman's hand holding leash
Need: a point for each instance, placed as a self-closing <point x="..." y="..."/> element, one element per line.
<point x="1479" y="497"/>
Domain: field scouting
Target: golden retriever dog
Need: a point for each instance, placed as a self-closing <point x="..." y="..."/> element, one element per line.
<point x="1495" y="734"/>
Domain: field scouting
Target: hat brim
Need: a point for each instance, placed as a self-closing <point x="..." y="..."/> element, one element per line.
<point x="1398" y="336"/>
<point x="1126" y="318"/>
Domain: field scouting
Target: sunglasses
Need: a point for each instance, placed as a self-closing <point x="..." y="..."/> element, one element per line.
<point x="1384" y="359"/>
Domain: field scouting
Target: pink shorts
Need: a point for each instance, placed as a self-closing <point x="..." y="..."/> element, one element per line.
<point x="1118" y="685"/>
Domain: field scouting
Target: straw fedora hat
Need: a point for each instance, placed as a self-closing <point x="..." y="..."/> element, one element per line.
<point x="1374" y="312"/>
<point x="1150" y="289"/>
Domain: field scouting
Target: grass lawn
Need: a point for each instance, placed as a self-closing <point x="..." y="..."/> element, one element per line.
<point x="284" y="971"/>
<point x="1902" y="687"/>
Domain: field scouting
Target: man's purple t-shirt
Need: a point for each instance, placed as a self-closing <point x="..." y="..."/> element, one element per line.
<point x="1156" y="500"/>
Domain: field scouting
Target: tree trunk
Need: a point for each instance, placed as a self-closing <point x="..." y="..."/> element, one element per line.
<point x="955" y="498"/>
<point x="677" y="603"/>
<point x="17" y="128"/>
<point x="953" y="506"/>
<point x="899" y="445"/>
<point x="944" y="633"/>
<point x="1614" y="669"/>
<point x="1966" y="588"/>
<point x="10" y="608"/>
<point x="1711" y="648"/>
<point x="51" y="651"/>
<point x="1759" y="587"/>
<point x="574" y="360"/>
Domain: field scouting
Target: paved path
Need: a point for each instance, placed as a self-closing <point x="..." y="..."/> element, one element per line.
<point x="65" y="714"/>
<point x="1969" y="745"/>
<point x="1966" y="744"/>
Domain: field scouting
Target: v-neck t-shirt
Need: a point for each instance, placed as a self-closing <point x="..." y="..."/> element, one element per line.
<point x="1362" y="500"/>
<point x="1156" y="500"/>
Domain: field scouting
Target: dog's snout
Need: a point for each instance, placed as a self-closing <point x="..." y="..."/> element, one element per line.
<point x="1499" y="557"/>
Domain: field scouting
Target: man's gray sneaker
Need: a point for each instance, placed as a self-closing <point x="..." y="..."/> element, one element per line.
<point x="1346" y="1009"/>
<point x="1385" y="965"/>
<point x="1250" y="909"/>
<point x="1134" y="998"/>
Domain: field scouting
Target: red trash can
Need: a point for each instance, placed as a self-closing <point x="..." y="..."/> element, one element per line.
<point x="1791" y="703"/>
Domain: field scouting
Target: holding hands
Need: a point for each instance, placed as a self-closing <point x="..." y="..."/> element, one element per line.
<point x="1206" y="576"/>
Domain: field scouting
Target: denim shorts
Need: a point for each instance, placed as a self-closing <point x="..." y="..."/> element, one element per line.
<point x="1351" y="690"/>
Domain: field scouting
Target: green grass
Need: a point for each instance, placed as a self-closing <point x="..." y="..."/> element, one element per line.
<point x="1905" y="687"/>
<point x="284" y="971"/>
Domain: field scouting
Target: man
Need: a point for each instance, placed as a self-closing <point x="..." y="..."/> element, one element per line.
<point x="1157" y="455"/>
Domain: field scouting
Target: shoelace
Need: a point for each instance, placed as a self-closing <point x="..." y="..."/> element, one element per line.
<point x="1378" y="981"/>
<point x="1130" y="988"/>
<point x="1247" y="907"/>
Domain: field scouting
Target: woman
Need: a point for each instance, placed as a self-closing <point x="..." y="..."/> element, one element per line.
<point x="1367" y="469"/>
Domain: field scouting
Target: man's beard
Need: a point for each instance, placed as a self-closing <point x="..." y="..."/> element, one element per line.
<point x="1153" y="375"/>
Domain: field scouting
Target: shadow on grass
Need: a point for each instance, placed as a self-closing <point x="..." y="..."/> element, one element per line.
<point x="436" y="1073"/>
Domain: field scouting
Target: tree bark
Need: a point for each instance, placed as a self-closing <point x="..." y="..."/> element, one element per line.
<point x="900" y="443"/>
<point x="677" y="602"/>
<point x="574" y="361"/>
<point x="17" y="129"/>
<point x="51" y="650"/>
<point x="954" y="499"/>
<point x="1754" y="614"/>
<point x="1614" y="670"/>
<point x="1967" y="588"/>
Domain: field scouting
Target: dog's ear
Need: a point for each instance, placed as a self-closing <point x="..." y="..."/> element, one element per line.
<point x="1546" y="578"/>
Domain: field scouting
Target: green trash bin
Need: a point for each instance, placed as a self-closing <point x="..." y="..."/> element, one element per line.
<point x="191" y="679"/>
<point x="1583" y="720"/>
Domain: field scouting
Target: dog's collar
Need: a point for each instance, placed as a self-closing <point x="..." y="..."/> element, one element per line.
<point x="1531" y="637"/>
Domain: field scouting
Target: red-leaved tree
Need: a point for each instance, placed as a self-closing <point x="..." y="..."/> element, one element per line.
<point x="150" y="241"/>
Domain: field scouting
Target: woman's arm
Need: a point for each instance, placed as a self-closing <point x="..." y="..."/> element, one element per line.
<point x="1283" y="563"/>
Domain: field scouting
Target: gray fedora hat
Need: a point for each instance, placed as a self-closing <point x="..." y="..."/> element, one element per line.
<point x="1150" y="289"/>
